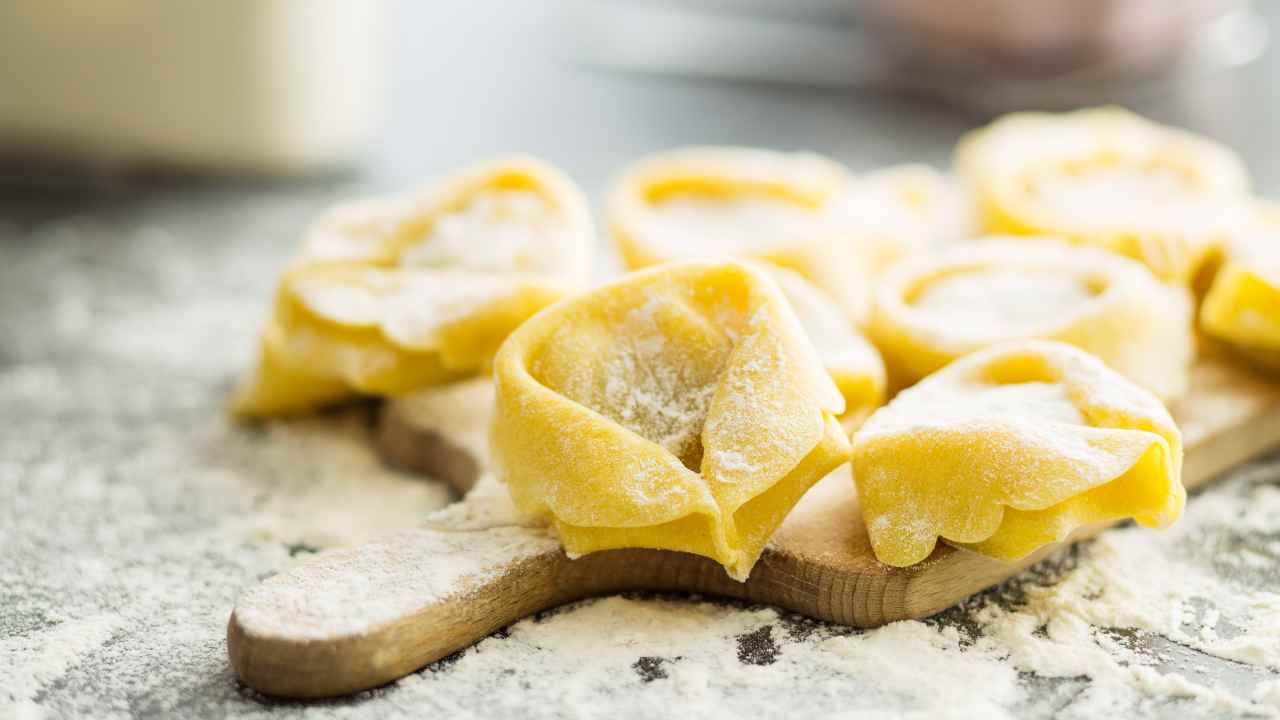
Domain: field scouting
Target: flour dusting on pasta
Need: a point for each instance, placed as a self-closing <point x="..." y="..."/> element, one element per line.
<point x="651" y="391"/>
<point x="1110" y="191"/>
<point x="698" y="226"/>
<point x="498" y="230"/>
<point x="933" y="309"/>
<point x="1004" y="302"/>
<point x="651" y="385"/>
<point x="407" y="306"/>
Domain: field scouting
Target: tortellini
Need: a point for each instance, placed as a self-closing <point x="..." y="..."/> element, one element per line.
<point x="391" y="295"/>
<point x="928" y="311"/>
<point x="1243" y="304"/>
<point x="714" y="203"/>
<point x="1108" y="178"/>
<point x="901" y="211"/>
<point x="1012" y="448"/>
<point x="681" y="407"/>
<point x="852" y="361"/>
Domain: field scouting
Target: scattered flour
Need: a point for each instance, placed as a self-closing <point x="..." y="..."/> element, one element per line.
<point x="1268" y="694"/>
<point x="905" y="658"/>
<point x="36" y="660"/>
<point x="355" y="590"/>
<point x="487" y="505"/>
<point x="1109" y="629"/>
<point x="457" y="414"/>
<point x="134" y="515"/>
<point x="336" y="490"/>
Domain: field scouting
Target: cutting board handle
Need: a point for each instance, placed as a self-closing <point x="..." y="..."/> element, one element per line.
<point x="357" y="618"/>
<point x="360" y="617"/>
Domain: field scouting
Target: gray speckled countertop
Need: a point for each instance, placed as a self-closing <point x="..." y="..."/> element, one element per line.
<point x="132" y="512"/>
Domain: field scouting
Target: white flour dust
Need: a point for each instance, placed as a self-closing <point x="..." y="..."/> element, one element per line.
<point x="1130" y="622"/>
<point x="134" y="515"/>
<point x="355" y="590"/>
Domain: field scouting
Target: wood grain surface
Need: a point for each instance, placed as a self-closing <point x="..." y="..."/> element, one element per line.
<point x="818" y="564"/>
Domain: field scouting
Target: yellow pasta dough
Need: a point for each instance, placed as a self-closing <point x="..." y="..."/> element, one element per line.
<point x="928" y="311"/>
<point x="1108" y="178"/>
<point x="1012" y="448"/>
<point x="852" y="361"/>
<point x="392" y="295"/>
<point x="900" y="211"/>
<point x="715" y="203"/>
<point x="680" y="408"/>
<point x="1242" y="307"/>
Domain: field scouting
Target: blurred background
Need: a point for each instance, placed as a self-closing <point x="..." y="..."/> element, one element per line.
<point x="160" y="158"/>
<point x="123" y="95"/>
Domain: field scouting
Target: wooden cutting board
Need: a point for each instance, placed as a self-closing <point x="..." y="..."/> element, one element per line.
<point x="359" y="617"/>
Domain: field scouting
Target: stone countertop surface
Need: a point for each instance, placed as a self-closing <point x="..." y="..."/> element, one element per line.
<point x="132" y="512"/>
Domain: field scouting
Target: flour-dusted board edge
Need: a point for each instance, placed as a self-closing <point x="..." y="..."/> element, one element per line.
<point x="357" y="618"/>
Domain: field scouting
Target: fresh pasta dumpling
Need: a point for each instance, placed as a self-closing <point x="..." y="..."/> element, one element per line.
<point x="1242" y="307"/>
<point x="1108" y="178"/>
<point x="928" y="311"/>
<point x="717" y="203"/>
<point x="900" y="211"/>
<point x="1012" y="448"/>
<point x="681" y="407"/>
<point x="352" y="231"/>
<point x="392" y="295"/>
<point x="852" y="361"/>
